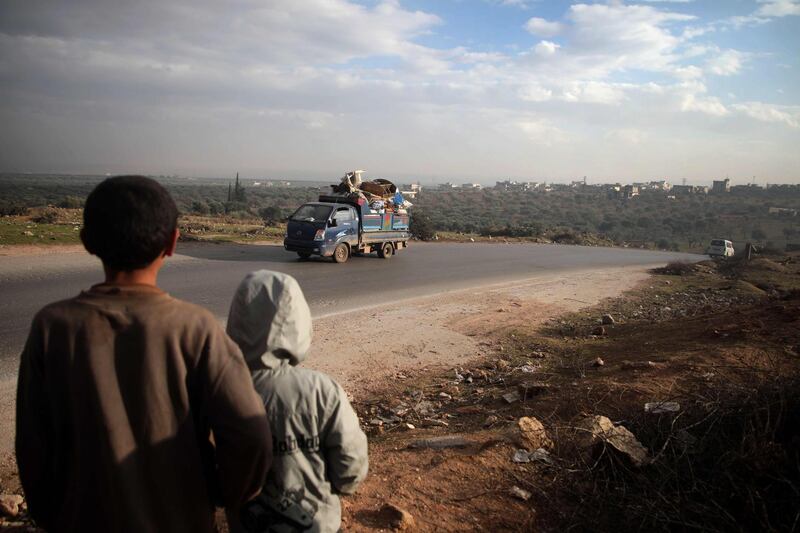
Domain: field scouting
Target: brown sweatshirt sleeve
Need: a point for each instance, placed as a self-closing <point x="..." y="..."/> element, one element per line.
<point x="34" y="428"/>
<point x="237" y="419"/>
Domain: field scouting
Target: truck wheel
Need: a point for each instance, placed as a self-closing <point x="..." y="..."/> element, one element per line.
<point x="304" y="255"/>
<point x="386" y="250"/>
<point x="341" y="253"/>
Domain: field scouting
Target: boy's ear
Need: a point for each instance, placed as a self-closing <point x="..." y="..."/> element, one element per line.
<point x="83" y="241"/>
<point x="173" y="242"/>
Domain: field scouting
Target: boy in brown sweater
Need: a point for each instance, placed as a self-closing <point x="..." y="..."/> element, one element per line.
<point x="121" y="387"/>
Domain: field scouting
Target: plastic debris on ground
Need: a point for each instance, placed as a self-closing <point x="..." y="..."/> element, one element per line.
<point x="658" y="408"/>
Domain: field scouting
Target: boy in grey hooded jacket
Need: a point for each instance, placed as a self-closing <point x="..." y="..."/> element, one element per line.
<point x="319" y="448"/>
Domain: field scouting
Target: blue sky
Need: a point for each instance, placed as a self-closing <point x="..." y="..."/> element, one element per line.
<point x="467" y="90"/>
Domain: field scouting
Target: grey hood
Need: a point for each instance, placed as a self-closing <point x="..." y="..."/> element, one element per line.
<point x="270" y="320"/>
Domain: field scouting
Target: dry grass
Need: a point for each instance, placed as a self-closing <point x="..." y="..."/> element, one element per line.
<point x="676" y="268"/>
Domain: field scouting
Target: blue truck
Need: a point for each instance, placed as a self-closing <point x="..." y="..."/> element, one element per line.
<point x="339" y="226"/>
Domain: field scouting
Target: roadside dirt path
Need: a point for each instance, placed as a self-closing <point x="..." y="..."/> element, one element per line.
<point x="18" y="250"/>
<point x="361" y="348"/>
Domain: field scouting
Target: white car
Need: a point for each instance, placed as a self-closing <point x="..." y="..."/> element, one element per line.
<point x="720" y="248"/>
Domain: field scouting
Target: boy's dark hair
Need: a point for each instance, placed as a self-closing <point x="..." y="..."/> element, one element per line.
<point x="128" y="222"/>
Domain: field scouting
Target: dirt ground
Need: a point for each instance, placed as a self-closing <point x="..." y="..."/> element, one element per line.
<point x="18" y="250"/>
<point x="726" y="351"/>
<point x="362" y="348"/>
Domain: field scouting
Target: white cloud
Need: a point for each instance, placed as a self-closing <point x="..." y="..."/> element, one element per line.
<point x="710" y="105"/>
<point x="778" y="8"/>
<point x="625" y="36"/>
<point x="546" y="48"/>
<point x="535" y="93"/>
<point x="788" y="115"/>
<point x="594" y="92"/>
<point x="726" y="62"/>
<point x="543" y="28"/>
<point x="768" y="10"/>
<point x="690" y="72"/>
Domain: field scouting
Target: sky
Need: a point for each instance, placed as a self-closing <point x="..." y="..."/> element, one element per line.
<point x="445" y="90"/>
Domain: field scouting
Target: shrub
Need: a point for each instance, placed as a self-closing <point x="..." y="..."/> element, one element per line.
<point x="676" y="268"/>
<point x="271" y="214"/>
<point x="71" y="202"/>
<point x="9" y="209"/>
<point x="565" y="237"/>
<point x="421" y="226"/>
<point x="46" y="216"/>
<point x="200" y="208"/>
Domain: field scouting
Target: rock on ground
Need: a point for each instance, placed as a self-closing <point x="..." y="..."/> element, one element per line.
<point x="596" y="430"/>
<point x="9" y="504"/>
<point x="398" y="518"/>
<point x="532" y="434"/>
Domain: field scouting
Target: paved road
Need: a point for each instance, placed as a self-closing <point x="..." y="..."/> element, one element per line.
<point x="208" y="274"/>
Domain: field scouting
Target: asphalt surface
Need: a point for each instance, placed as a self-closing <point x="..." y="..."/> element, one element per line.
<point x="207" y="274"/>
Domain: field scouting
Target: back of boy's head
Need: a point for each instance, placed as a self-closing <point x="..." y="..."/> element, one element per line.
<point x="128" y="221"/>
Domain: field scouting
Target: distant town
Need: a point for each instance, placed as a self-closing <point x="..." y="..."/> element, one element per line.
<point x="611" y="190"/>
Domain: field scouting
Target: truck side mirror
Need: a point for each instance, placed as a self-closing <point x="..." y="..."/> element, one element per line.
<point x="332" y="223"/>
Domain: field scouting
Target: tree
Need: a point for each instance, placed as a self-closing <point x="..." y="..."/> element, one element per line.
<point x="607" y="225"/>
<point x="201" y="208"/>
<point x="271" y="215"/>
<point x="421" y="226"/>
<point x="239" y="194"/>
<point x="235" y="207"/>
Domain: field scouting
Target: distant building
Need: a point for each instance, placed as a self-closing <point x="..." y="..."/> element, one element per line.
<point x="447" y="186"/>
<point x="475" y="186"/>
<point x="721" y="186"/>
<point x="629" y="191"/>
<point x="688" y="189"/>
<point x="783" y="211"/>
<point x="613" y="191"/>
<point x="410" y="190"/>
<point x="661" y="185"/>
<point x="515" y="186"/>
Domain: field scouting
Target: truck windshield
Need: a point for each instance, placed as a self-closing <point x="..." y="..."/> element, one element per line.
<point x="717" y="242"/>
<point x="312" y="213"/>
